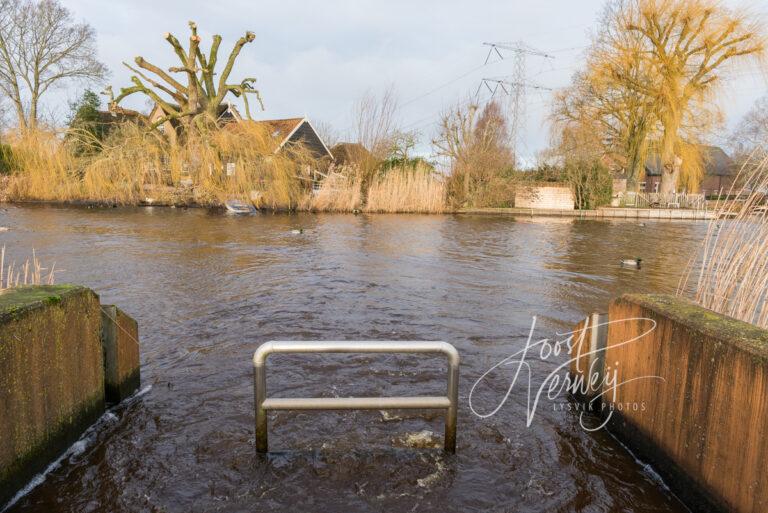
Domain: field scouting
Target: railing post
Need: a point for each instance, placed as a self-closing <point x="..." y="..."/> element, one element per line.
<point x="451" y="416"/>
<point x="260" y="394"/>
<point x="262" y="404"/>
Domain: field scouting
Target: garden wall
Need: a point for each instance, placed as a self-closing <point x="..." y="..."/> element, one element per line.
<point x="545" y="197"/>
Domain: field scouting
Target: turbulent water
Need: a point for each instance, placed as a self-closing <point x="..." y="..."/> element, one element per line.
<point x="207" y="289"/>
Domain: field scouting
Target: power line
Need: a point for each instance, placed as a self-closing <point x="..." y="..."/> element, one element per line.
<point x="515" y="86"/>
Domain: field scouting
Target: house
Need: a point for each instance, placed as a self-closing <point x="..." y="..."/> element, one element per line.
<point x="296" y="131"/>
<point x="347" y="153"/>
<point x="285" y="131"/>
<point x="719" y="171"/>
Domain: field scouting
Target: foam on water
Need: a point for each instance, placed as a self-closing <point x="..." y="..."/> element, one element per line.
<point x="76" y="449"/>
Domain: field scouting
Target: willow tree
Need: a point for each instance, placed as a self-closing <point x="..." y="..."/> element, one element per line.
<point x="619" y="119"/>
<point x="688" y="47"/>
<point x="196" y="97"/>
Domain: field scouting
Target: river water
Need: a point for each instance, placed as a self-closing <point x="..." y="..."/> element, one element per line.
<point x="208" y="288"/>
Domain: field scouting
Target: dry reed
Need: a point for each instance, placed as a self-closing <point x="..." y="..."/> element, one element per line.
<point x="135" y="165"/>
<point x="407" y="190"/>
<point x="729" y="274"/>
<point x="340" y="191"/>
<point x="29" y="273"/>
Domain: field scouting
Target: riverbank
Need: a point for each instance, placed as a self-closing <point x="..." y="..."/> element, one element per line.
<point x="603" y="212"/>
<point x="179" y="200"/>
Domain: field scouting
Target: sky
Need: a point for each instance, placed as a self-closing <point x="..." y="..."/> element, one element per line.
<point x="316" y="59"/>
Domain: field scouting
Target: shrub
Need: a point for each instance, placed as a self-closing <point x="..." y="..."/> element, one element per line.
<point x="590" y="181"/>
<point x="6" y="159"/>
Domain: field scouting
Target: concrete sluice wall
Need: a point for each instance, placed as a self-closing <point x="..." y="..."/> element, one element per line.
<point x="55" y="344"/>
<point x="692" y="397"/>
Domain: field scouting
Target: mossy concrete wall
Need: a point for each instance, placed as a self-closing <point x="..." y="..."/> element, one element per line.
<point x="120" y="338"/>
<point x="704" y="426"/>
<point x="51" y="376"/>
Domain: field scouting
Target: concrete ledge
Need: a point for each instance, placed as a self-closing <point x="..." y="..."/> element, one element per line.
<point x="703" y="426"/>
<point x="606" y="212"/>
<point x="588" y="359"/>
<point x="51" y="377"/>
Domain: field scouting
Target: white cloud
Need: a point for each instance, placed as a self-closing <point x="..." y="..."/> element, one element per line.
<point x="318" y="58"/>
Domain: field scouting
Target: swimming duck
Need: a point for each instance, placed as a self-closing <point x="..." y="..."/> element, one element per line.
<point x="632" y="262"/>
<point x="297" y="231"/>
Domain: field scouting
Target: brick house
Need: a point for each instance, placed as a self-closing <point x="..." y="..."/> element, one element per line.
<point x="719" y="171"/>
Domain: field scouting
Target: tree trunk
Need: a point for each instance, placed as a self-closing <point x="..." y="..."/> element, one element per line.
<point x="670" y="174"/>
<point x="633" y="173"/>
<point x="32" y="121"/>
<point x="22" y="119"/>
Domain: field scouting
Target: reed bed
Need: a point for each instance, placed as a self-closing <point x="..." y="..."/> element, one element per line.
<point x="31" y="272"/>
<point x="729" y="273"/>
<point x="339" y="191"/>
<point x="416" y="190"/>
<point x="134" y="165"/>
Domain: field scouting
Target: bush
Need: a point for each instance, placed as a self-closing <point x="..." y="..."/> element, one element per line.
<point x="6" y="159"/>
<point x="591" y="182"/>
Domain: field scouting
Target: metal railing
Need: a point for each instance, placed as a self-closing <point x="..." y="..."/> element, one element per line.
<point x="449" y="402"/>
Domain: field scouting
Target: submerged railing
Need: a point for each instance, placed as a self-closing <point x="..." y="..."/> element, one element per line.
<point x="449" y="402"/>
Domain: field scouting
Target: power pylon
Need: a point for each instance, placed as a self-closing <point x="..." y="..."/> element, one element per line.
<point x="514" y="86"/>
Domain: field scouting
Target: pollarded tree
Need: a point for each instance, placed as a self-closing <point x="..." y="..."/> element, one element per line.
<point x="194" y="100"/>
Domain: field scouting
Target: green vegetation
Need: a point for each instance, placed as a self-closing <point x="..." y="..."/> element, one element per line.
<point x="87" y="128"/>
<point x="6" y="159"/>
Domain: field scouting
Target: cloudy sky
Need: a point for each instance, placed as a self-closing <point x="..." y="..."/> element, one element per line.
<point x="318" y="58"/>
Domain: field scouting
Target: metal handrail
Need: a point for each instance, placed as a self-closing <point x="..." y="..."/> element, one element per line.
<point x="449" y="403"/>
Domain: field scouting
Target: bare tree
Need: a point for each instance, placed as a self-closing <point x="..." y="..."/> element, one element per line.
<point x="327" y="132"/>
<point x="3" y="114"/>
<point x="41" y="47"/>
<point x="376" y="131"/>
<point x="752" y="130"/>
<point x="375" y="120"/>
<point x="199" y="99"/>
<point x="475" y="143"/>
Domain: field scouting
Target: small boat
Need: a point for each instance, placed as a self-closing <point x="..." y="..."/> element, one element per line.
<point x="631" y="262"/>
<point x="234" y="206"/>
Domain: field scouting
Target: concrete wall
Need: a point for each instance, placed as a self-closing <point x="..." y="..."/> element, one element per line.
<point x="703" y="427"/>
<point x="545" y="197"/>
<point x="52" y="374"/>
<point x="588" y="359"/>
<point x="51" y="377"/>
<point x="120" y="337"/>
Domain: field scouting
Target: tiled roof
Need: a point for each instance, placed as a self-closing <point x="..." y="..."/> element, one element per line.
<point x="280" y="128"/>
